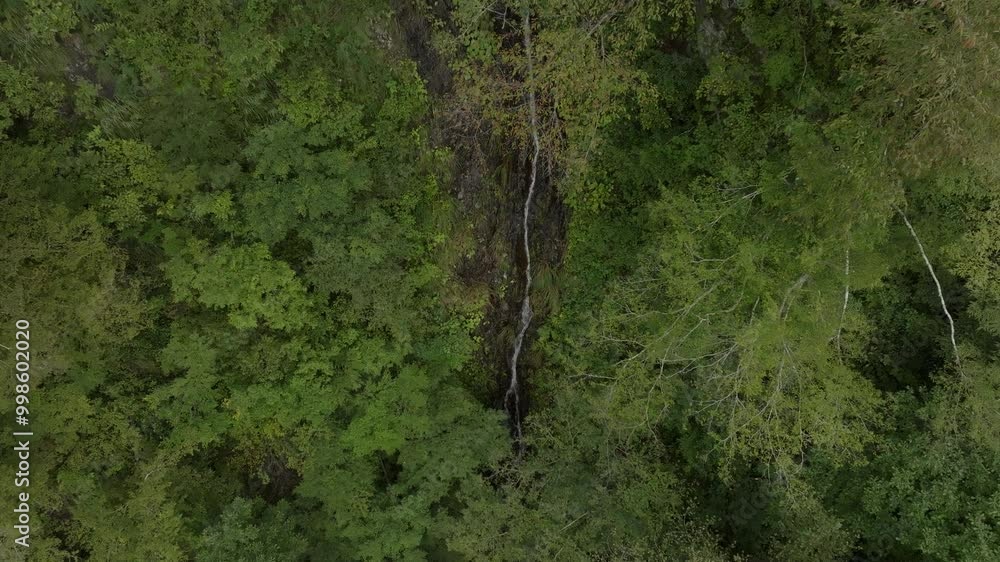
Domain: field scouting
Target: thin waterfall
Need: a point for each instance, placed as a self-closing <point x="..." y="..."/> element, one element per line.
<point x="512" y="396"/>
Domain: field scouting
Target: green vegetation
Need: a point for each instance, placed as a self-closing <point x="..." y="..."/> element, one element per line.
<point x="270" y="254"/>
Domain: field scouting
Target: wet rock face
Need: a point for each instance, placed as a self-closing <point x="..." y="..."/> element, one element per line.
<point x="490" y="180"/>
<point x="416" y="34"/>
<point x="712" y="21"/>
<point x="710" y="38"/>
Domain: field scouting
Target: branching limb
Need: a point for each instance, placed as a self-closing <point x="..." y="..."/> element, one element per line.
<point x="608" y="15"/>
<point x="786" y="303"/>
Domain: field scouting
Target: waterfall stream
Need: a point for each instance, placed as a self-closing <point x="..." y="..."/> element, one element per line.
<point x="512" y="397"/>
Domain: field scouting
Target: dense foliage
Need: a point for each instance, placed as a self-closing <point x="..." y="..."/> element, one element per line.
<point x="771" y="333"/>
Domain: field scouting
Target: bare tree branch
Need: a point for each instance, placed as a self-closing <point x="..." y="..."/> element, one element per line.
<point x="930" y="268"/>
<point x="847" y="296"/>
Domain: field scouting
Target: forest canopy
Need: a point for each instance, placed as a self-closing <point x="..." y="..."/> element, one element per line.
<point x="630" y="280"/>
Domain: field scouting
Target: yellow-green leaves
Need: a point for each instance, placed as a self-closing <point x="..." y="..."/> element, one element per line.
<point x="245" y="282"/>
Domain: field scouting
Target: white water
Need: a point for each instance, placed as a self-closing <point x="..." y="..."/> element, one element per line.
<point x="525" y="320"/>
